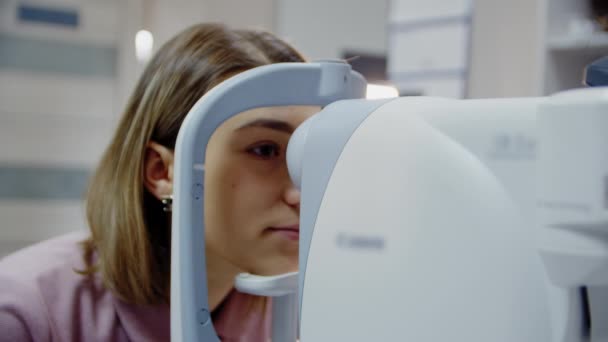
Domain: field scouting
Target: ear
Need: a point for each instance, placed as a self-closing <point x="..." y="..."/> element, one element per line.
<point x="158" y="170"/>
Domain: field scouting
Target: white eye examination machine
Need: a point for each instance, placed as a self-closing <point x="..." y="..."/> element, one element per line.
<point x="422" y="219"/>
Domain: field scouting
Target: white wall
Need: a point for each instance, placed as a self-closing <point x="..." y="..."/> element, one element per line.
<point x="323" y="29"/>
<point x="165" y="18"/>
<point x="507" y="48"/>
<point x="54" y="118"/>
<point x="259" y="14"/>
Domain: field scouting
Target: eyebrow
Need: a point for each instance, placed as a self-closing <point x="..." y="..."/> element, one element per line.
<point x="276" y="125"/>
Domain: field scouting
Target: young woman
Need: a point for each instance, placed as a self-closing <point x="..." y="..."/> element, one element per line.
<point x="112" y="283"/>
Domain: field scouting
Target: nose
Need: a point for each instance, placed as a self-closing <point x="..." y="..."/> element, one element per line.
<point x="292" y="196"/>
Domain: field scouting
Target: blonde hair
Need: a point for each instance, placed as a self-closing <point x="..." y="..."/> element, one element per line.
<point x="130" y="234"/>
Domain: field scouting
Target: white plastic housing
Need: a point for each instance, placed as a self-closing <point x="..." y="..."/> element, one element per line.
<point x="417" y="240"/>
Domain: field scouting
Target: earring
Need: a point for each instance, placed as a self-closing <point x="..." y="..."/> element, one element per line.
<point x="167" y="203"/>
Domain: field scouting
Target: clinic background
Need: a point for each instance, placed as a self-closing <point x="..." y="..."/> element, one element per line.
<point x="68" y="66"/>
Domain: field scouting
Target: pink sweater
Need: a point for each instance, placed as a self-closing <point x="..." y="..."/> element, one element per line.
<point x="43" y="299"/>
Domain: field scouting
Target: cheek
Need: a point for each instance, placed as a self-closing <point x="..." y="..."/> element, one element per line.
<point x="251" y="192"/>
<point x="236" y="202"/>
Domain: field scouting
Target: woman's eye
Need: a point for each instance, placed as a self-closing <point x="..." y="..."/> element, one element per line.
<point x="265" y="151"/>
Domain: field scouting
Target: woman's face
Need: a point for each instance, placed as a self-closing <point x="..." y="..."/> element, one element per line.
<point x="251" y="206"/>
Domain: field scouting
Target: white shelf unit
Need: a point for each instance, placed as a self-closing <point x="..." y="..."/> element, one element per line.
<point x="595" y="41"/>
<point x="429" y="46"/>
<point x="572" y="40"/>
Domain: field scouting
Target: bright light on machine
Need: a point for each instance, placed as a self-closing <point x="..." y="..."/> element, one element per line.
<point x="144" y="42"/>
<point x="377" y="91"/>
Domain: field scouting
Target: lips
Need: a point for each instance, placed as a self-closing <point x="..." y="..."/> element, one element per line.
<point x="290" y="232"/>
<point x="294" y="227"/>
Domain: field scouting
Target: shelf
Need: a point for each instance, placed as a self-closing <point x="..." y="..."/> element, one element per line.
<point x="597" y="42"/>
